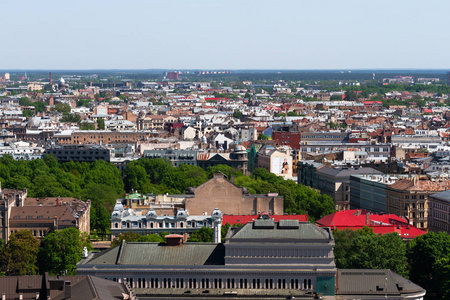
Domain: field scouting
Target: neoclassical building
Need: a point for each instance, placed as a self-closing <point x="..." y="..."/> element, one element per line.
<point x="263" y="258"/>
<point x="130" y="220"/>
<point x="262" y="255"/>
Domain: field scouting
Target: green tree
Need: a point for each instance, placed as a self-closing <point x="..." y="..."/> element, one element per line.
<point x="129" y="237"/>
<point x="19" y="256"/>
<point x="151" y="238"/>
<point x="100" y="218"/>
<point x="351" y="96"/>
<point x="237" y="114"/>
<point x="100" y="124"/>
<point x="61" y="251"/>
<point x="87" y="126"/>
<point x="425" y="253"/>
<point x="202" y="235"/>
<point x="83" y="102"/>
<point x="100" y="194"/>
<point x="70" y="118"/>
<point x="442" y="267"/>
<point x="225" y="169"/>
<point x="263" y="137"/>
<point x="378" y="252"/>
<point x="27" y="113"/>
<point x="343" y="246"/>
<point x="62" y="107"/>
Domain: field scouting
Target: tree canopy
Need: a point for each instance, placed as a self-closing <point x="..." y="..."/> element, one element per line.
<point x="19" y="256"/>
<point x="429" y="256"/>
<point x="61" y="251"/>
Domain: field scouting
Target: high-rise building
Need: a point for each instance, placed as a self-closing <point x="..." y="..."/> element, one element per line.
<point x="173" y="75"/>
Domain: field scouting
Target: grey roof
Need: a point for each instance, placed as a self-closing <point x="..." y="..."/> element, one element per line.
<point x="83" y="287"/>
<point x="347" y="172"/>
<point x="160" y="254"/>
<point x="443" y="196"/>
<point x="373" y="282"/>
<point x="276" y="231"/>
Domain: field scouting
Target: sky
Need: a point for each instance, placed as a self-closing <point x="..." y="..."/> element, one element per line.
<point x="224" y="34"/>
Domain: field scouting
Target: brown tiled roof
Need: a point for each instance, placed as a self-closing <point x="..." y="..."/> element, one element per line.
<point x="403" y="184"/>
<point x="421" y="185"/>
<point x="42" y="212"/>
<point x="48" y="201"/>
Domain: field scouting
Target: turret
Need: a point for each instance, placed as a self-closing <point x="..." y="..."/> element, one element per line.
<point x="217" y="223"/>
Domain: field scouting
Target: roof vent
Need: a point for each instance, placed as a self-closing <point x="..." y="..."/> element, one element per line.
<point x="264" y="224"/>
<point x="288" y="224"/>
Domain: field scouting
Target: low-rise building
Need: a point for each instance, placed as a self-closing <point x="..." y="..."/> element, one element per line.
<point x="82" y="153"/>
<point x="176" y="156"/>
<point x="236" y="159"/>
<point x="41" y="215"/>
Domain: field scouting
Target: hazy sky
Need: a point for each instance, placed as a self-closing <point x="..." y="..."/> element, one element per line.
<point x="219" y="34"/>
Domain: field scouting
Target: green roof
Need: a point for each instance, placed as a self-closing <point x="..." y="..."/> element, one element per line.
<point x="134" y="196"/>
<point x="161" y="254"/>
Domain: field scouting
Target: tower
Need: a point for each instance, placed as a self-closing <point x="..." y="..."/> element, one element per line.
<point x="217" y="223"/>
<point x="50" y="78"/>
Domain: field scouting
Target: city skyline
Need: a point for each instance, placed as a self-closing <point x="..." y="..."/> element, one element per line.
<point x="233" y="35"/>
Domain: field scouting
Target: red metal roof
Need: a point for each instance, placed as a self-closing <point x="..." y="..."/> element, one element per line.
<point x="355" y="219"/>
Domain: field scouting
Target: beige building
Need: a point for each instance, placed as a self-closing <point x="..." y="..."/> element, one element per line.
<point x="41" y="215"/>
<point x="231" y="199"/>
<point x="155" y="122"/>
<point x="409" y="198"/>
<point x="35" y="86"/>
<point x="105" y="137"/>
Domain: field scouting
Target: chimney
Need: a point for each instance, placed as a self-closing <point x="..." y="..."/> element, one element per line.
<point x="367" y="219"/>
<point x="174" y="240"/>
<point x="67" y="289"/>
<point x="50" y="77"/>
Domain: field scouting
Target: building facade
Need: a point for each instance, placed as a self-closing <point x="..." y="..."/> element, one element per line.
<point x="128" y="220"/>
<point x="176" y="156"/>
<point x="232" y="199"/>
<point x="334" y="182"/>
<point x="262" y="255"/>
<point x="82" y="153"/>
<point x="409" y="198"/>
<point x="41" y="215"/>
<point x="439" y="212"/>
